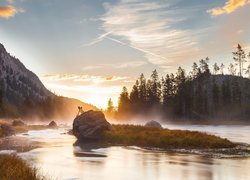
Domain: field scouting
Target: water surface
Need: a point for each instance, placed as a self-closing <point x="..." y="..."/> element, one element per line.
<point x="56" y="159"/>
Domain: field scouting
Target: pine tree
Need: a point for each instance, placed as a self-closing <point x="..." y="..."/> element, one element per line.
<point x="216" y="68"/>
<point x="167" y="90"/>
<point x="154" y="89"/>
<point x="142" y="90"/>
<point x="204" y="65"/>
<point x="231" y="69"/>
<point x="222" y="66"/>
<point x="239" y="57"/>
<point x="248" y="67"/>
<point x="124" y="102"/>
<point x="110" y="108"/>
<point x="134" y="97"/>
<point x="195" y="70"/>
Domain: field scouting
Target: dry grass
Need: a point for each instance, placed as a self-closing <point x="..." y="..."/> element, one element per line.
<point x="132" y="135"/>
<point x="14" y="168"/>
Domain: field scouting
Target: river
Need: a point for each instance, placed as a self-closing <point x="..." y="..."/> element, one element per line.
<point x="56" y="159"/>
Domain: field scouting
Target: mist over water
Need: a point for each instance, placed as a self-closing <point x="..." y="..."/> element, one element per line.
<point x="56" y="159"/>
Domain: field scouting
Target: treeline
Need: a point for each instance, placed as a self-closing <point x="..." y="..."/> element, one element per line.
<point x="54" y="107"/>
<point x="199" y="94"/>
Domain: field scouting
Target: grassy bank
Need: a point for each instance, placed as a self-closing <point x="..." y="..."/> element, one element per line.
<point x="131" y="135"/>
<point x="14" y="168"/>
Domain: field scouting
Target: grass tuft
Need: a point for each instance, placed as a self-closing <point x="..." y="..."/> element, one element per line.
<point x="14" y="168"/>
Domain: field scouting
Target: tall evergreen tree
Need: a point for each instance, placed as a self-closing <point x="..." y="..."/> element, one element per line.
<point x="124" y="102"/>
<point x="142" y="90"/>
<point x="231" y="69"/>
<point x="216" y="68"/>
<point x="134" y="97"/>
<point x="110" y="108"/>
<point x="222" y="67"/>
<point x="167" y="90"/>
<point x="195" y="70"/>
<point x="239" y="57"/>
<point x="154" y="89"/>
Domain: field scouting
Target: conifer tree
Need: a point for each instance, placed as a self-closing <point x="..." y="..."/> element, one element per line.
<point x="124" y="102"/>
<point x="216" y="68"/>
<point x="222" y="66"/>
<point x="239" y="57"/>
<point x="232" y="69"/>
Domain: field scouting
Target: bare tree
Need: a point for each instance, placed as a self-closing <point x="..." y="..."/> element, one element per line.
<point x="239" y="57"/>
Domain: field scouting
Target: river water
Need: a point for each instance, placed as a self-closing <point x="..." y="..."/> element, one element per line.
<point x="56" y="159"/>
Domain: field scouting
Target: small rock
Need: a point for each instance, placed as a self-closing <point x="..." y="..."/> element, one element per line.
<point x="52" y="124"/>
<point x="153" y="124"/>
<point x="7" y="130"/>
<point x="18" y="123"/>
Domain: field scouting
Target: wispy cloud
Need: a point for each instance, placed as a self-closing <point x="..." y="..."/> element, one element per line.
<point x="149" y="28"/>
<point x="131" y="64"/>
<point x="81" y="78"/>
<point x="7" y="11"/>
<point x="229" y="7"/>
<point x="97" y="40"/>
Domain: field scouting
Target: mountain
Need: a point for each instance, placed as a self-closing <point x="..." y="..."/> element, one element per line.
<point x="22" y="94"/>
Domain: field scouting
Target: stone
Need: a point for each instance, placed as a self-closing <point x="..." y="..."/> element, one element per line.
<point x="153" y="124"/>
<point x="18" y="123"/>
<point x="7" y="130"/>
<point x="52" y="124"/>
<point x="90" y="125"/>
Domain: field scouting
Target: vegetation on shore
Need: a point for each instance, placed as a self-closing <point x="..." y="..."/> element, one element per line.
<point x="14" y="168"/>
<point x="134" y="135"/>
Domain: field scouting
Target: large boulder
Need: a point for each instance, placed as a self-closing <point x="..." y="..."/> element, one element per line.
<point x="90" y="125"/>
<point x="18" y="123"/>
<point x="6" y="130"/>
<point x="153" y="124"/>
<point x="52" y="124"/>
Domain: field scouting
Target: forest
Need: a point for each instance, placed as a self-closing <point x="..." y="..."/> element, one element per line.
<point x="202" y="94"/>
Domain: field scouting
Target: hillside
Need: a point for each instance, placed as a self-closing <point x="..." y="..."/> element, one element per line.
<point x="22" y="94"/>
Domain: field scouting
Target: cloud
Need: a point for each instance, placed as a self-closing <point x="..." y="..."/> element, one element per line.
<point x="81" y="78"/>
<point x="131" y="64"/>
<point x="229" y="7"/>
<point x="7" y="11"/>
<point x="149" y="27"/>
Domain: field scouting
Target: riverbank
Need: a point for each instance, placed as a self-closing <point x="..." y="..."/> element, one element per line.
<point x="14" y="168"/>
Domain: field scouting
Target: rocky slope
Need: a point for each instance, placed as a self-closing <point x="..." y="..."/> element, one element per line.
<point x="22" y="93"/>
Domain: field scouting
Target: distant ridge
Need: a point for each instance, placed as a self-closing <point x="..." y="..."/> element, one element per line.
<point x="22" y="94"/>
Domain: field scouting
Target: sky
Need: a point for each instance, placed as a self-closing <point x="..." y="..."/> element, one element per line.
<point x="90" y="49"/>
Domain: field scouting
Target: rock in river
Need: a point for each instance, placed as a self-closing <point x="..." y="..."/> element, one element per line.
<point x="90" y="125"/>
<point x="18" y="123"/>
<point x="6" y="130"/>
<point x="153" y="124"/>
<point x="52" y="124"/>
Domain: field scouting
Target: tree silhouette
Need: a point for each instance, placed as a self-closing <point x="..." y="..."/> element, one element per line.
<point x="239" y="57"/>
<point x="222" y="66"/>
<point x="216" y="68"/>
<point x="232" y="69"/>
<point x="110" y="108"/>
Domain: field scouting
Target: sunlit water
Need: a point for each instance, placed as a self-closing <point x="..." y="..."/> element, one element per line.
<point x="56" y="159"/>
